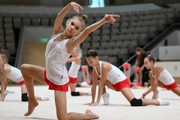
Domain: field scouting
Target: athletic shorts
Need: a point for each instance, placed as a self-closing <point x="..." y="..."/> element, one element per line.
<point x="53" y="86"/>
<point x="72" y="80"/>
<point x="120" y="85"/>
<point x="171" y="86"/>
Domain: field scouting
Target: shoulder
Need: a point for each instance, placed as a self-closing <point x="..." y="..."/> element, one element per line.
<point x="106" y="65"/>
<point x="159" y="69"/>
<point x="7" y="69"/>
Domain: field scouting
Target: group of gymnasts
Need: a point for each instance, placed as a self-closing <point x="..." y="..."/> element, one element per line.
<point x="64" y="43"/>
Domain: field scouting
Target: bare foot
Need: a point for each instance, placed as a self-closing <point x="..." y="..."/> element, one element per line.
<point x="31" y="106"/>
<point x="92" y="115"/>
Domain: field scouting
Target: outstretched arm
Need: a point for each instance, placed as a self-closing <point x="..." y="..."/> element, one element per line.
<point x="108" y="18"/>
<point x="60" y="17"/>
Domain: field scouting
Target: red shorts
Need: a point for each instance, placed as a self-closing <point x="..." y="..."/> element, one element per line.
<point x="21" y="83"/>
<point x="120" y="85"/>
<point x="171" y="86"/>
<point x="53" y="86"/>
<point x="72" y="80"/>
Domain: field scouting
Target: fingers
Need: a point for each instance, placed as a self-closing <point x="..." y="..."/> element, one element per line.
<point x="114" y="15"/>
<point x="77" y="7"/>
<point x="80" y="7"/>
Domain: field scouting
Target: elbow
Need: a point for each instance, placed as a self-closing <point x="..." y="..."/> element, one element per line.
<point x="87" y="31"/>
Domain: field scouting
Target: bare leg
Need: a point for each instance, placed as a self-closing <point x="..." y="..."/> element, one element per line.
<point x="72" y="87"/>
<point x="129" y="96"/>
<point x="29" y="73"/>
<point x="150" y="102"/>
<point x="176" y="91"/>
<point x="23" y="89"/>
<point x="61" y="109"/>
<point x="109" y="85"/>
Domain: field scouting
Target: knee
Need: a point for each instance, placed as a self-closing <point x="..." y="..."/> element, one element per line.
<point x="136" y="102"/>
<point x="75" y="93"/>
<point x="23" y="67"/>
<point x="24" y="97"/>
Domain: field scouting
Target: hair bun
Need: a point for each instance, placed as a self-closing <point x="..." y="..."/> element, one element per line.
<point x="85" y="17"/>
<point x="2" y="51"/>
<point x="148" y="53"/>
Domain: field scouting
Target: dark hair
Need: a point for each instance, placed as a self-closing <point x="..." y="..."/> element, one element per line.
<point x="82" y="19"/>
<point x="91" y="53"/>
<point x="151" y="58"/>
<point x="139" y="57"/>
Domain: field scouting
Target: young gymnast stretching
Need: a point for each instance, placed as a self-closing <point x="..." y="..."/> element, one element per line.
<point x="115" y="79"/>
<point x="73" y="71"/>
<point x="58" y="50"/>
<point x="159" y="76"/>
<point x="10" y="72"/>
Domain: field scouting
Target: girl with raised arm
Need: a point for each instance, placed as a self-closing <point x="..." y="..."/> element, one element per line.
<point x="58" y="50"/>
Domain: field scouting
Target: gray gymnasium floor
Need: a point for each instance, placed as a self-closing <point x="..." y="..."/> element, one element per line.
<point x="119" y="109"/>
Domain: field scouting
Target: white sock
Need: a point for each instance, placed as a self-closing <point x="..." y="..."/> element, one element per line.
<point x="157" y="94"/>
<point x="10" y="91"/>
<point x="44" y="98"/>
<point x="106" y="98"/>
<point x="162" y="102"/>
<point x="89" y="93"/>
<point x="4" y="95"/>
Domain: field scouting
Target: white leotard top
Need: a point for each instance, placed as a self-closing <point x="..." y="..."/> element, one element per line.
<point x="14" y="74"/>
<point x="165" y="77"/>
<point x="73" y="70"/>
<point x="56" y="57"/>
<point x="114" y="76"/>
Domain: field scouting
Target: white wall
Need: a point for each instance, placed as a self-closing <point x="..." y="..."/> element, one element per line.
<point x="169" y="52"/>
<point x="172" y="67"/>
<point x="173" y="40"/>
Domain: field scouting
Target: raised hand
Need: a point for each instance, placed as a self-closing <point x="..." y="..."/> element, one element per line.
<point x="110" y="18"/>
<point x="76" y="6"/>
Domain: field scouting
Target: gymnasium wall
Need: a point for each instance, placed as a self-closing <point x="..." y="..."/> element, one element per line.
<point x="173" y="39"/>
<point x="31" y="48"/>
<point x="173" y="67"/>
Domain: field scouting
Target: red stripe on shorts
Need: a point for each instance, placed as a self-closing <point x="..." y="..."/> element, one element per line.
<point x="72" y="80"/>
<point x="53" y="86"/>
<point x="171" y="86"/>
<point x="21" y="83"/>
<point x="120" y="85"/>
